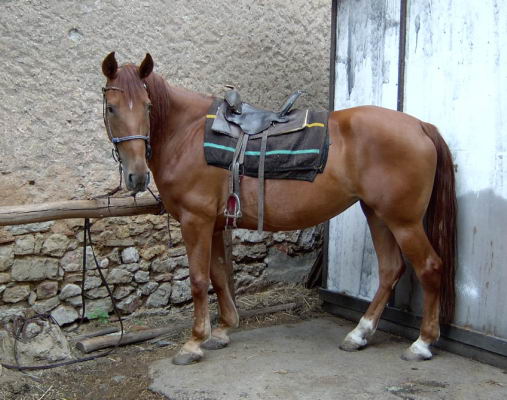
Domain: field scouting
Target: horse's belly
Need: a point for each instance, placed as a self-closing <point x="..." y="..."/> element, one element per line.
<point x="293" y="205"/>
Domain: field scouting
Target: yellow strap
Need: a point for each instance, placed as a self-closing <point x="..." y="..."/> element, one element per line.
<point x="315" y="124"/>
<point x="312" y="125"/>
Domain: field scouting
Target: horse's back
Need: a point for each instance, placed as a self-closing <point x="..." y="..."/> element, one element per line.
<point x="379" y="156"/>
<point x="376" y="123"/>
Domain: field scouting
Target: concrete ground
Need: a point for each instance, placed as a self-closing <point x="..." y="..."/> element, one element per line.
<point x="302" y="361"/>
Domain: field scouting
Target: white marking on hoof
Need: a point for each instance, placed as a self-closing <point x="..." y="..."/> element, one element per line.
<point x="418" y="351"/>
<point x="357" y="338"/>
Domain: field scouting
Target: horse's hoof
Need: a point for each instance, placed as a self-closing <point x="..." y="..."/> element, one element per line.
<point x="214" y="343"/>
<point x="186" y="358"/>
<point x="411" y="355"/>
<point x="349" y="345"/>
<point x="418" y="351"/>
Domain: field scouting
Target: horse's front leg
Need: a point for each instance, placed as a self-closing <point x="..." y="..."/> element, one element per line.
<point x="197" y="233"/>
<point x="221" y="278"/>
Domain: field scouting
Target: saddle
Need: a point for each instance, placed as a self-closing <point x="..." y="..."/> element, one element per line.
<point x="253" y="120"/>
<point x="239" y="124"/>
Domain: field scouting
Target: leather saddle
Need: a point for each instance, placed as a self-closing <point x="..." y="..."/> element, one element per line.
<point x="243" y="121"/>
<point x="253" y="120"/>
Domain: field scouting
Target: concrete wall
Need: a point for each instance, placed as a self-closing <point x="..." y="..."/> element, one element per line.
<point x="53" y="143"/>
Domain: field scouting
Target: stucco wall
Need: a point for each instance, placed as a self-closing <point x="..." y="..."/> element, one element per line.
<point x="52" y="141"/>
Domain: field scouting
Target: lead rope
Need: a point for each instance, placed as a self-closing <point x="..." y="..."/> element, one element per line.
<point x="87" y="226"/>
<point x="170" y="243"/>
<point x="18" y="331"/>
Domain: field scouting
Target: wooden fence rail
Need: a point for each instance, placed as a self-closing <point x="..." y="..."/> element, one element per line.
<point x="97" y="208"/>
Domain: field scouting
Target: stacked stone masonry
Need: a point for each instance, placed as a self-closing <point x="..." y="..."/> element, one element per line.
<point x="41" y="265"/>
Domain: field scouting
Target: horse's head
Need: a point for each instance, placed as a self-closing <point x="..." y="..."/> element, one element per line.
<point x="127" y="118"/>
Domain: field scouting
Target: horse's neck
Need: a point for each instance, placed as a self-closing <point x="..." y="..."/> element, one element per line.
<point x="185" y="111"/>
<point x="186" y="107"/>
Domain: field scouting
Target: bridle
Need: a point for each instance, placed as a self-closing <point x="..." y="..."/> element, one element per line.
<point x="116" y="156"/>
<point x="116" y="140"/>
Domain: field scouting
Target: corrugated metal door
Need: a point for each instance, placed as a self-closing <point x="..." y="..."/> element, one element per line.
<point x="455" y="78"/>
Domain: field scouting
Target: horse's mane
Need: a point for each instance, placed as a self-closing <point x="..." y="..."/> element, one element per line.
<point x="159" y="96"/>
<point x="128" y="79"/>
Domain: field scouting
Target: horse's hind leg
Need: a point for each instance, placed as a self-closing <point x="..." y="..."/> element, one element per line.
<point x="221" y="275"/>
<point x="428" y="267"/>
<point x="391" y="268"/>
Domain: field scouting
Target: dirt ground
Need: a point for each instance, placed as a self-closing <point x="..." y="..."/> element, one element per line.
<point x="124" y="373"/>
<point x="285" y="355"/>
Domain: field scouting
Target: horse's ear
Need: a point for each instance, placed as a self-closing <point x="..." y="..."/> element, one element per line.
<point x="146" y="67"/>
<point x="110" y="66"/>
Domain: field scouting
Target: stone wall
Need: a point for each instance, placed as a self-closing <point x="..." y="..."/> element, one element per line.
<point x="53" y="144"/>
<point x="41" y="264"/>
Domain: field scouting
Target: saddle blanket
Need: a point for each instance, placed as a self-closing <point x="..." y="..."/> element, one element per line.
<point x="293" y="154"/>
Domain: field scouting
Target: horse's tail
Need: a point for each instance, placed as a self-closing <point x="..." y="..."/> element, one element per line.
<point x="441" y="220"/>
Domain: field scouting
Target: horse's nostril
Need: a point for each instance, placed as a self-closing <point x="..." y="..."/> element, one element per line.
<point x="138" y="183"/>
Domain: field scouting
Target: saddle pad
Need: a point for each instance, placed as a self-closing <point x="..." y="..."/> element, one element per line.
<point x="299" y="155"/>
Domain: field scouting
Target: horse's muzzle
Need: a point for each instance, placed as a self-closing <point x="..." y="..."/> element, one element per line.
<point x="138" y="182"/>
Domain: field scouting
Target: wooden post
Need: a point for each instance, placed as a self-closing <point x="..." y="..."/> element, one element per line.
<point x="101" y="342"/>
<point x="97" y="208"/>
<point x="90" y="344"/>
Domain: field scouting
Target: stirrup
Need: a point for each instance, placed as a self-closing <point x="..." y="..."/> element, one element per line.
<point x="232" y="211"/>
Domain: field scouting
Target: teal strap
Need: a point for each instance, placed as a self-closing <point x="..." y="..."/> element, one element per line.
<point x="268" y="153"/>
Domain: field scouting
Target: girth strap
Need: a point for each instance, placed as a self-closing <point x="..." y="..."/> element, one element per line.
<point x="233" y="205"/>
<point x="260" y="206"/>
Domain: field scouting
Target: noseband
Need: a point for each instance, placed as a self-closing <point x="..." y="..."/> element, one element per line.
<point x="116" y="140"/>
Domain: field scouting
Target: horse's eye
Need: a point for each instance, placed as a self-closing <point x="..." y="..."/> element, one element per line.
<point x="110" y="109"/>
<point x="149" y="107"/>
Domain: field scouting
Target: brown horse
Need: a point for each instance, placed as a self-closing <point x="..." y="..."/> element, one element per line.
<point x="398" y="167"/>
